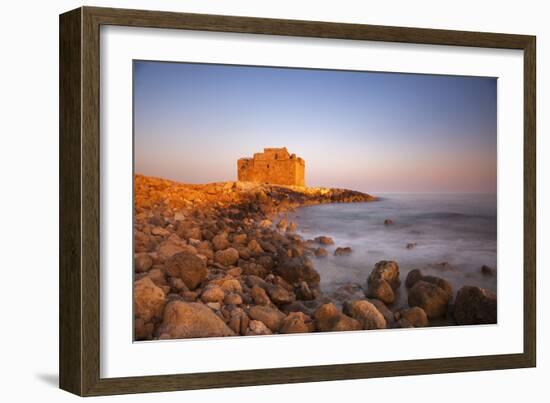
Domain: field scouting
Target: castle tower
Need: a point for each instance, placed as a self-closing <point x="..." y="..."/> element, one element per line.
<point x="275" y="166"/>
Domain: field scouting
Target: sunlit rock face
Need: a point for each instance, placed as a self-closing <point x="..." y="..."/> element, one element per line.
<point x="275" y="165"/>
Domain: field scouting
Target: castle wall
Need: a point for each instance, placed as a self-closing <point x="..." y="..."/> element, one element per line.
<point x="274" y="166"/>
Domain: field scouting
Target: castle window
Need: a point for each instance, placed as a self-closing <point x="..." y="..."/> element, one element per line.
<point x="268" y="165"/>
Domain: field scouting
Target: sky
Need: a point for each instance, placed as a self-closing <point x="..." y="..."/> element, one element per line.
<point x="368" y="131"/>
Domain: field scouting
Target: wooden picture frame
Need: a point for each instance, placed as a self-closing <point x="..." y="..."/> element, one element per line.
<point x="79" y="346"/>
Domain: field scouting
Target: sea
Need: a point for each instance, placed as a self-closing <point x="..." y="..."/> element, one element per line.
<point x="447" y="235"/>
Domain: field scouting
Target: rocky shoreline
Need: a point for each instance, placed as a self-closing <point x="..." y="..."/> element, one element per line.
<point x="222" y="259"/>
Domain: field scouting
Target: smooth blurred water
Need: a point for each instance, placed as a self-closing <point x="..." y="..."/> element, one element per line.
<point x="455" y="234"/>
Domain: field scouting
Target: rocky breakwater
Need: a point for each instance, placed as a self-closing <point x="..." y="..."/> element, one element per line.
<point x="218" y="260"/>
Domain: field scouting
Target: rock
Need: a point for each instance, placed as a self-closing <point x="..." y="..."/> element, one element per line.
<point x="167" y="249"/>
<point x="383" y="280"/>
<point x="191" y="320"/>
<point x="282" y="224"/>
<point x="411" y="245"/>
<point x="475" y="306"/>
<point x="269" y="315"/>
<point x="187" y="266"/>
<point x="413" y="277"/>
<point x="235" y="271"/>
<point x="255" y="248"/>
<point x="179" y="216"/>
<point x="233" y="299"/>
<point x="403" y="323"/>
<point x="381" y="290"/>
<point x="324" y="240"/>
<point x="240" y="238"/>
<point x="259" y="296"/>
<point x="330" y="319"/>
<point x="384" y="310"/>
<point x="387" y="221"/>
<point x="238" y="321"/>
<point x="226" y="257"/>
<point x="257" y="328"/>
<point x="296" y="322"/>
<point x="297" y="269"/>
<point x="265" y="224"/>
<point x="279" y="295"/>
<point x="142" y="262"/>
<point x="441" y="283"/>
<point x="212" y="294"/>
<point x="342" y="251"/>
<point x="415" y="316"/>
<point x="304" y="293"/>
<point x="321" y="252"/>
<point x="231" y="285"/>
<point x="431" y="298"/>
<point x="366" y="313"/>
<point x="149" y="300"/>
<point x="142" y="330"/>
<point x="488" y="271"/>
<point x="220" y="242"/>
<point x="159" y="231"/>
<point x="215" y="306"/>
<point x="292" y="227"/>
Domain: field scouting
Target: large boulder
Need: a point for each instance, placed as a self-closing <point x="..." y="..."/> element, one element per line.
<point x="213" y="294"/>
<point x="330" y="319"/>
<point x="383" y="281"/>
<point x="366" y="313"/>
<point x="220" y="242"/>
<point x="413" y="277"/>
<point x="324" y="240"/>
<point x="190" y="320"/>
<point x="431" y="298"/>
<point x="188" y="267"/>
<point x="269" y="315"/>
<point x="227" y="257"/>
<point x="279" y="295"/>
<point x="294" y="270"/>
<point x="475" y="306"/>
<point x="416" y="275"/>
<point x="149" y="300"/>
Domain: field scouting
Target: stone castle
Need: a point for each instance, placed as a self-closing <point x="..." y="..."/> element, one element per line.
<point x="274" y="165"/>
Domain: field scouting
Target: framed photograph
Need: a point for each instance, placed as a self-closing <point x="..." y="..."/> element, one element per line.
<point x="249" y="201"/>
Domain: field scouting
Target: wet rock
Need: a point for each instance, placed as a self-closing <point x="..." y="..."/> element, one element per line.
<point x="149" y="300"/>
<point x="265" y="223"/>
<point x="143" y="330"/>
<point x="191" y="320"/>
<point x="188" y="267"/>
<point x="142" y="262"/>
<point x="282" y="224"/>
<point x="403" y="324"/>
<point x="269" y="315"/>
<point x="366" y="313"/>
<point x="415" y="316"/>
<point x="324" y="240"/>
<point x="292" y="227"/>
<point x="226" y="257"/>
<point x="431" y="298"/>
<point x="411" y="245"/>
<point x="475" y="306"/>
<point x="329" y="319"/>
<point x="441" y="283"/>
<point x="213" y="294"/>
<point x="387" y="221"/>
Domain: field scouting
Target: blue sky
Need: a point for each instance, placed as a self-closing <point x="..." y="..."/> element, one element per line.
<point x="375" y="132"/>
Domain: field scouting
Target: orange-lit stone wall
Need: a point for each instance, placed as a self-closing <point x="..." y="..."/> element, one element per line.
<point x="274" y="165"/>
